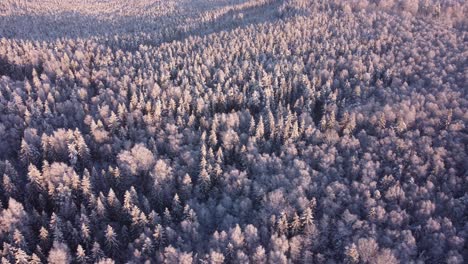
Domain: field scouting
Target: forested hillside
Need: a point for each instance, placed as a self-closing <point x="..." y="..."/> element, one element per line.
<point x="233" y="131"/>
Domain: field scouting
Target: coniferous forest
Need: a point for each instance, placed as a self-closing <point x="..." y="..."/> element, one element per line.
<point x="233" y="131"/>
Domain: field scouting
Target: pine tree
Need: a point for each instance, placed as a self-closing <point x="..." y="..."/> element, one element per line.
<point x="296" y="224"/>
<point x="186" y="188"/>
<point x="216" y="257"/>
<point x="177" y="208"/>
<point x="160" y="236"/>
<point x="203" y="162"/>
<point x="54" y="225"/>
<point x="35" y="79"/>
<point x="219" y="155"/>
<point x="448" y="119"/>
<point x="21" y="257"/>
<point x="229" y="252"/>
<point x="283" y="224"/>
<point x="113" y="204"/>
<point x="357" y="91"/>
<point x="19" y="239"/>
<point x="100" y="208"/>
<point x="111" y="238"/>
<point x="213" y="139"/>
<point x="323" y="123"/>
<point x="204" y="181"/>
<point x="217" y="171"/>
<point x="210" y="155"/>
<point x="128" y="202"/>
<point x="295" y="133"/>
<point x="44" y="236"/>
<point x="382" y="122"/>
<point x="39" y="253"/>
<point x="401" y="125"/>
<point x="116" y="176"/>
<point x="96" y="252"/>
<point x="167" y="217"/>
<point x="86" y="187"/>
<point x="72" y="153"/>
<point x="82" y="148"/>
<point x="59" y="254"/>
<point x="260" y="129"/>
<point x="252" y="129"/>
<point x="271" y="124"/>
<point x="148" y="247"/>
<point x="287" y="125"/>
<point x="58" y="234"/>
<point x="352" y="254"/>
<point x="35" y="177"/>
<point x="331" y="122"/>
<point x="307" y="217"/>
<point x="350" y="125"/>
<point x="85" y="232"/>
<point x="28" y="153"/>
<point x="259" y="256"/>
<point x="35" y="259"/>
<point x="114" y="122"/>
<point x="81" y="255"/>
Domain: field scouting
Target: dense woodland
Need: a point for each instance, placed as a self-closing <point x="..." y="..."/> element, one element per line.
<point x="218" y="132"/>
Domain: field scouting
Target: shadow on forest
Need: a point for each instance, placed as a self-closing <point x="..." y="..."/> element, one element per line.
<point x="232" y="19"/>
<point x="133" y="30"/>
<point x="17" y="72"/>
<point x="73" y="26"/>
<point x="78" y="26"/>
<point x="130" y="31"/>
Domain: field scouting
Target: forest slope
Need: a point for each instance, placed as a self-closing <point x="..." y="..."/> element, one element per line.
<point x="233" y="131"/>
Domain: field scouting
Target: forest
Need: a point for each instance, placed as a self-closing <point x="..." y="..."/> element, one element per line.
<point x="233" y="131"/>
